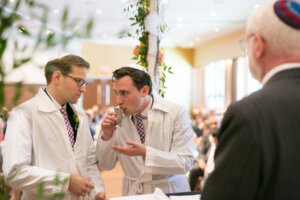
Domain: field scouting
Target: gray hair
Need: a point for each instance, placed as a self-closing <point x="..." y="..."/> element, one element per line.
<point x="280" y="38"/>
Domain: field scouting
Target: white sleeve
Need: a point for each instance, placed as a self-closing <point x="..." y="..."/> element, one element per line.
<point x="93" y="170"/>
<point x="17" y="156"/>
<point x="179" y="159"/>
<point x="107" y="157"/>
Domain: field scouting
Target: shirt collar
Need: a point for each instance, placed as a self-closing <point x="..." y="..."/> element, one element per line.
<point x="277" y="69"/>
<point x="144" y="112"/>
<point x="56" y="104"/>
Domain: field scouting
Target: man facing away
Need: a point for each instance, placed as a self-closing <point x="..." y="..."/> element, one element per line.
<point x="257" y="157"/>
<point x="48" y="136"/>
<point x="154" y="140"/>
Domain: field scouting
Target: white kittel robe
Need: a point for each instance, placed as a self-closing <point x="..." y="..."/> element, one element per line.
<point x="169" y="151"/>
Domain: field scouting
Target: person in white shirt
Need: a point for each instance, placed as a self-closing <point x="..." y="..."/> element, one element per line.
<point x="48" y="139"/>
<point x="153" y="142"/>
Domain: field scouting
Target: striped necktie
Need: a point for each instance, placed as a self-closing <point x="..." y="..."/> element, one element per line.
<point x="140" y="127"/>
<point x="69" y="127"/>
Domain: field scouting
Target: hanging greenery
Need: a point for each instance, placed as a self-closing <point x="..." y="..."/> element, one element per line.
<point x="140" y="9"/>
<point x="13" y="30"/>
<point x="12" y="24"/>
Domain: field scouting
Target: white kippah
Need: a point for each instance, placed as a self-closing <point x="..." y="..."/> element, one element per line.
<point x="136" y="66"/>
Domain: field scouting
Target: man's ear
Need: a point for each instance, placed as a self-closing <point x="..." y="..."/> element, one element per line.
<point x="258" y="46"/>
<point x="144" y="90"/>
<point x="56" y="77"/>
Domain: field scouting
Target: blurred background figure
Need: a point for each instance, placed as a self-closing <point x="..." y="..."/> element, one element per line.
<point x="205" y="146"/>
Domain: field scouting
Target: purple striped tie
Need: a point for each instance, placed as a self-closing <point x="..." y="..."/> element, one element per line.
<point x="140" y="127"/>
<point x="69" y="127"/>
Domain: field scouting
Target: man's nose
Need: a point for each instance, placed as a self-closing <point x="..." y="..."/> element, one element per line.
<point x="82" y="88"/>
<point x="119" y="99"/>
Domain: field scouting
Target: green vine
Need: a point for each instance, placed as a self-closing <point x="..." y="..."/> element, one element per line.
<point x="140" y="10"/>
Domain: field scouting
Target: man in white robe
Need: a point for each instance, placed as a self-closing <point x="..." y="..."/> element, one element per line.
<point x="48" y="139"/>
<point x="155" y="153"/>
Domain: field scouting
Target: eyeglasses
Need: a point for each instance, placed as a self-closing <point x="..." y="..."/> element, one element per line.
<point x="243" y="43"/>
<point x="80" y="82"/>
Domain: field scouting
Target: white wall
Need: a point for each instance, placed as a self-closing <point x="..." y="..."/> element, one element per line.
<point x="178" y="84"/>
<point x="33" y="71"/>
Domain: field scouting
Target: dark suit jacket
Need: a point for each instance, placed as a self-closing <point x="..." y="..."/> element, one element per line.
<point x="258" y="154"/>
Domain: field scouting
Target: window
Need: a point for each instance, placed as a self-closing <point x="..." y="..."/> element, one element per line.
<point x="245" y="83"/>
<point x="214" y="85"/>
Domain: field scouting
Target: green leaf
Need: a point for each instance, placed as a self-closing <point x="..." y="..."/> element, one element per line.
<point x="23" y="30"/>
<point x="41" y="190"/>
<point x="65" y="15"/>
<point x="58" y="196"/>
<point x="18" y="92"/>
<point x="2" y="47"/>
<point x="20" y="62"/>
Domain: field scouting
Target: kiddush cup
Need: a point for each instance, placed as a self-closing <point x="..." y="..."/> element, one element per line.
<point x="119" y="115"/>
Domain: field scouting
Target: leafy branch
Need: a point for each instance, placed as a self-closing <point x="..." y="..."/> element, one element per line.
<point x="140" y="10"/>
<point x="12" y="23"/>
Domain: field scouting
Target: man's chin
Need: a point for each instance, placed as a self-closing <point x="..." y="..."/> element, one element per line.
<point x="126" y="112"/>
<point x="73" y="101"/>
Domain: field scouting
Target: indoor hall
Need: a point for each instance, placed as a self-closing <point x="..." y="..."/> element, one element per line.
<point x="196" y="54"/>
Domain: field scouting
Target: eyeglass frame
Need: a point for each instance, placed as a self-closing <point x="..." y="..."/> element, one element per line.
<point x="80" y="82"/>
<point x="243" y="42"/>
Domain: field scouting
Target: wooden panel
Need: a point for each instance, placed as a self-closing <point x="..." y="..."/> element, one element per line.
<point x="27" y="92"/>
<point x="113" y="181"/>
<point x="90" y="97"/>
<point x="113" y="99"/>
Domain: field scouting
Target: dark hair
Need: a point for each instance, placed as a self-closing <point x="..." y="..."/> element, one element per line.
<point x="64" y="65"/>
<point x="139" y="77"/>
<point x="215" y="133"/>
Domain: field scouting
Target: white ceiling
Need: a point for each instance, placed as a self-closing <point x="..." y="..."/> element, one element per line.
<point x="191" y="22"/>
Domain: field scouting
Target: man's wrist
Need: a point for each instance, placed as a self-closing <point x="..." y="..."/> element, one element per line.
<point x="103" y="137"/>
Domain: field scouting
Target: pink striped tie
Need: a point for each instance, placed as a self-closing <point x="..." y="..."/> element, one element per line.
<point x="140" y="127"/>
<point x="69" y="127"/>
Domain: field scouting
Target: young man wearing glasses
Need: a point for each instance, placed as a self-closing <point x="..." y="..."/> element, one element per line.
<point x="48" y="137"/>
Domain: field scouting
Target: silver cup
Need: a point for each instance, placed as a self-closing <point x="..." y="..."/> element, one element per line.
<point x="119" y="115"/>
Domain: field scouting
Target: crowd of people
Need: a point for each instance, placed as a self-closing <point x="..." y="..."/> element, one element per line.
<point x="205" y="128"/>
<point x="251" y="153"/>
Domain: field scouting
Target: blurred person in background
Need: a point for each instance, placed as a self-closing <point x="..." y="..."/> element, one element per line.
<point x="204" y="145"/>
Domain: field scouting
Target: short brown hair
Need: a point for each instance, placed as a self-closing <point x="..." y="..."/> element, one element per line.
<point x="139" y="77"/>
<point x="64" y="65"/>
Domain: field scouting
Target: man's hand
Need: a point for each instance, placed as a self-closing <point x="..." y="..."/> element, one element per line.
<point x="100" y="196"/>
<point x="79" y="185"/>
<point x="136" y="149"/>
<point x="202" y="165"/>
<point x="108" y="125"/>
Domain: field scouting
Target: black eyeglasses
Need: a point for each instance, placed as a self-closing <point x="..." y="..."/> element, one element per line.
<point x="80" y="82"/>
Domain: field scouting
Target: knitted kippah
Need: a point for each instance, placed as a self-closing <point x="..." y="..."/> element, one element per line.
<point x="136" y="66"/>
<point x="288" y="12"/>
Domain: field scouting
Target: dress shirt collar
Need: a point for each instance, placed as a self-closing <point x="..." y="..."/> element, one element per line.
<point x="57" y="105"/>
<point x="144" y="112"/>
<point x="277" y="69"/>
